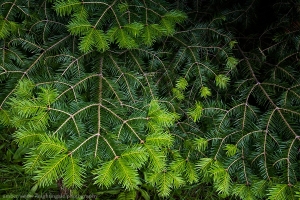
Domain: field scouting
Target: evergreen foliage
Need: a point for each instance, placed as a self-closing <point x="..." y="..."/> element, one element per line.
<point x="150" y="99"/>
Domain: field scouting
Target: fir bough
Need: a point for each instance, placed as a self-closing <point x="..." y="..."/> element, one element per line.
<point x="138" y="98"/>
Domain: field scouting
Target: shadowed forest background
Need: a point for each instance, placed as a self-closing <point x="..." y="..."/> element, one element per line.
<point x="150" y="99"/>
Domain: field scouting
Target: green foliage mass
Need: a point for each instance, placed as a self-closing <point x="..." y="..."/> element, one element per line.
<point x="150" y="99"/>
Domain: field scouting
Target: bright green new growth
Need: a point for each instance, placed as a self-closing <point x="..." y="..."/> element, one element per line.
<point x="125" y="35"/>
<point x="196" y="112"/>
<point x="205" y="92"/>
<point x="54" y="159"/>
